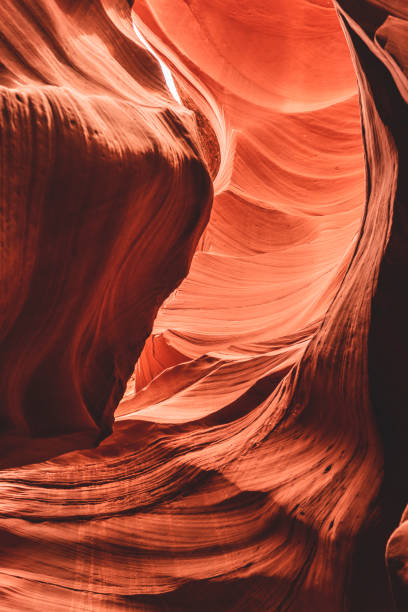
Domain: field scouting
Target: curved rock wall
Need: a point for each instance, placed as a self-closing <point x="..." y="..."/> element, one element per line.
<point x="257" y="457"/>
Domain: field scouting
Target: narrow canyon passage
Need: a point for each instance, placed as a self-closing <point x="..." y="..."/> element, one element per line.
<point x="203" y="340"/>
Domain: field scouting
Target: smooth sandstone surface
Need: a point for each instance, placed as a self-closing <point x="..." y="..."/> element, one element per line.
<point x="203" y="306"/>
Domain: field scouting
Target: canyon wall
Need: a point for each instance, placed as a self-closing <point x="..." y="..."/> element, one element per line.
<point x="204" y="335"/>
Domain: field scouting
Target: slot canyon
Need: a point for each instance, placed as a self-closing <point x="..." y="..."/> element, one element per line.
<point x="204" y="317"/>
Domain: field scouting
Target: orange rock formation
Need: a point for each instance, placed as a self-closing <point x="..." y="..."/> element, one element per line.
<point x="210" y="195"/>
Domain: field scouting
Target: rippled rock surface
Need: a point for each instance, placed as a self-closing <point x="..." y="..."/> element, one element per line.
<point x="203" y="339"/>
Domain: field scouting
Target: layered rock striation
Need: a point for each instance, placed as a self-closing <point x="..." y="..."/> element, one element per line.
<point x="255" y="458"/>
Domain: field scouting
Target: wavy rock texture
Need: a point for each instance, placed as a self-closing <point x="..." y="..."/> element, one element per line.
<point x="257" y="457"/>
<point x="103" y="160"/>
